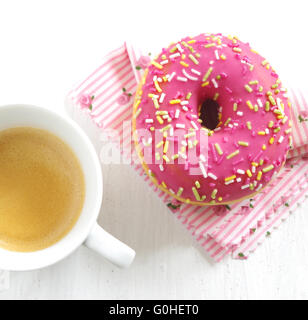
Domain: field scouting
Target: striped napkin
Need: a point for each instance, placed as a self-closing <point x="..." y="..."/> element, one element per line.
<point x="105" y="99"/>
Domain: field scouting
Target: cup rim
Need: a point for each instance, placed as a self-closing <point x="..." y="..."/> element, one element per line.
<point x="86" y="229"/>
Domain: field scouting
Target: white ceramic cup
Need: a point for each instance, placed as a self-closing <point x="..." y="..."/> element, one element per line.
<point x="86" y="230"/>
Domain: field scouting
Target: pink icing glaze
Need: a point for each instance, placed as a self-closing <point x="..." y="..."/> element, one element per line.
<point x="228" y="70"/>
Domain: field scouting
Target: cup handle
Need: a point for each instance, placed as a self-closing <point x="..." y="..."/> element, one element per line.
<point x="109" y="247"/>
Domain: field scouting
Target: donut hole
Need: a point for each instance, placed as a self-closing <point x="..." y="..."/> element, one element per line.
<point x="209" y="114"/>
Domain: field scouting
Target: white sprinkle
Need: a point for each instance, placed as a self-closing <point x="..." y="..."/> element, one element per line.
<point x="202" y="157"/>
<point x="240" y="113"/>
<point x="189" y="76"/>
<point x="164" y="62"/>
<point x="161" y="167"/>
<point x="194" y="125"/>
<point x="185" y="102"/>
<point x="229" y="182"/>
<point x="171" y="132"/>
<point x="171" y="191"/>
<point x="179" y="47"/>
<point x="255" y="183"/>
<point x="154" y="78"/>
<point x="183" y="155"/>
<point x="171" y="76"/>
<point x="267" y="131"/>
<point x="217" y="129"/>
<point x="159" y="79"/>
<point x="177" y="113"/>
<point x="184" y="143"/>
<point x="211" y="62"/>
<point x="240" y="171"/>
<point x="202" y="169"/>
<point x="215" y="83"/>
<point x="260" y="103"/>
<point x="185" y="108"/>
<point x="165" y="116"/>
<point x="211" y="175"/>
<point x="216" y="54"/>
<point x="235" y="124"/>
<point x="162" y="97"/>
<point x="155" y="96"/>
<point x="180" y="126"/>
<point x="238" y="180"/>
<point x="149" y="121"/>
<point x="260" y="187"/>
<point x="182" y="79"/>
<point x="281" y="139"/>
<point x="279" y="105"/>
<point x="245" y="186"/>
<point x="195" y="72"/>
<point x="220" y="109"/>
<point x="175" y="55"/>
<point x="253" y="169"/>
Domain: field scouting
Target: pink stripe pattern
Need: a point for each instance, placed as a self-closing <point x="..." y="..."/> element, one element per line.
<point x="236" y="230"/>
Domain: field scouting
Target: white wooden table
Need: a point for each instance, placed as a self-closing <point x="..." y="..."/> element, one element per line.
<point x="46" y="47"/>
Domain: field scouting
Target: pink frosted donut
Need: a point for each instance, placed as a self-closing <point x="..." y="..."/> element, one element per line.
<point x="211" y="120"/>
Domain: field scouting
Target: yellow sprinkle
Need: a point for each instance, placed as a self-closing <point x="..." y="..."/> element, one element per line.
<point x="172" y="50"/>
<point x="208" y="73"/>
<point x="157" y="156"/>
<point x="233" y="154"/>
<point x="166" y="146"/>
<point x="218" y="149"/>
<point x="259" y="175"/>
<point x="189" y="94"/>
<point x="235" y="107"/>
<point x="248" y="123"/>
<point x="184" y="64"/>
<point x="166" y="158"/>
<point x="223" y="57"/>
<point x="205" y="84"/>
<point x="220" y="199"/>
<point x="271" y="141"/>
<point x="160" y="120"/>
<point x="255" y="164"/>
<point x="166" y="128"/>
<point x="180" y="191"/>
<point x="264" y="63"/>
<point x="227" y="121"/>
<point x="261" y="133"/>
<point x="210" y="45"/>
<point x="137" y="113"/>
<point x="193" y="59"/>
<point x="157" y="65"/>
<point x="191" y="41"/>
<point x="152" y="128"/>
<point x="251" y="186"/>
<point x="197" y="196"/>
<point x="230" y="178"/>
<point x="214" y="193"/>
<point x="264" y="147"/>
<point x="151" y="95"/>
<point x="248" y="88"/>
<point x="216" y="96"/>
<point x="159" y="144"/>
<point x="249" y="174"/>
<point x="253" y="82"/>
<point x="156" y="104"/>
<point x="272" y="100"/>
<point x="249" y="104"/>
<point x="288" y="131"/>
<point x="243" y="143"/>
<point x="269" y="168"/>
<point x="158" y="88"/>
<point x="235" y="49"/>
<point x="260" y="89"/>
<point x="261" y="162"/>
<point x="137" y="104"/>
<point x="175" y="156"/>
<point x="164" y="185"/>
<point x="176" y="101"/>
<point x="267" y="106"/>
<point x="190" y="135"/>
<point x="271" y="124"/>
<point x="197" y="183"/>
